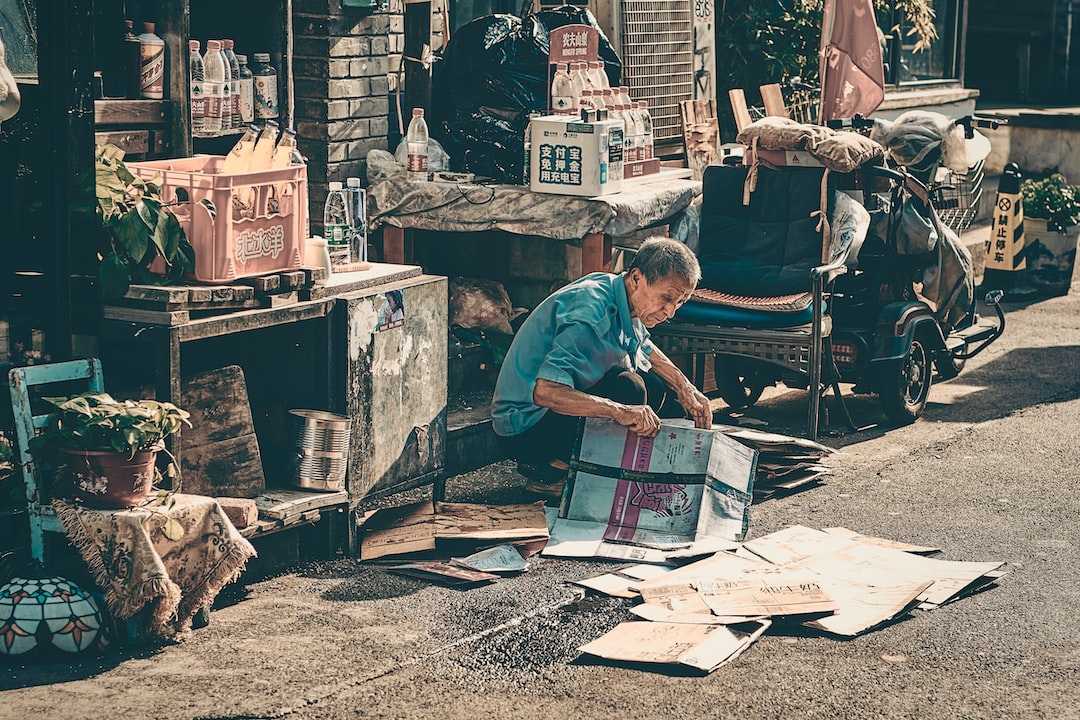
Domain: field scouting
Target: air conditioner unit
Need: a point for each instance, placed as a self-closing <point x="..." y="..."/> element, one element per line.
<point x="667" y="49"/>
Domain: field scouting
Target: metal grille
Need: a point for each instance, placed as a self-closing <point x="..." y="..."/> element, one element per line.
<point x="658" y="59"/>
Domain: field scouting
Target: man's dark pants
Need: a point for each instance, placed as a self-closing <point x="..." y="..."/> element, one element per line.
<point x="553" y="437"/>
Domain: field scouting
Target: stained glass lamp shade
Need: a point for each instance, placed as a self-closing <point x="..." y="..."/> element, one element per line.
<point x="40" y="613"/>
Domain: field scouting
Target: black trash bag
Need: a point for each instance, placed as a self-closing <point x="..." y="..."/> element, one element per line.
<point x="491" y="76"/>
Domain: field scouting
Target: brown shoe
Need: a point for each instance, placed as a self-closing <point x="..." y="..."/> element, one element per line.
<point x="545" y="481"/>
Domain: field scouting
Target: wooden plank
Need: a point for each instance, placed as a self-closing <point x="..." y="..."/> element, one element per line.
<point x="701" y="135"/>
<point x="132" y="142"/>
<point x="158" y="293"/>
<point x="221" y="451"/>
<point x="280" y="503"/>
<point x="263" y="283"/>
<point x="738" y="108"/>
<point x="131" y="112"/>
<point x="773" y="98"/>
<point x="314" y="275"/>
<point x="170" y="318"/>
<point x="200" y="294"/>
<point x="282" y="299"/>
<point x="292" y="279"/>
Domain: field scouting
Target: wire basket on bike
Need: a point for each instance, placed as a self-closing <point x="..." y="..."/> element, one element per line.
<point x="956" y="196"/>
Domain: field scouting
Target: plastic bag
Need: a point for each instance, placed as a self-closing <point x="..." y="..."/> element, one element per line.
<point x="480" y="303"/>
<point x="493" y="73"/>
<point x="438" y="159"/>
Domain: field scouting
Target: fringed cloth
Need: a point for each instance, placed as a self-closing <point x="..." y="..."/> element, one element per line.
<point x="132" y="559"/>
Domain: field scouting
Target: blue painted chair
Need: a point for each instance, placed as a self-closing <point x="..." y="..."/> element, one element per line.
<point x="27" y="385"/>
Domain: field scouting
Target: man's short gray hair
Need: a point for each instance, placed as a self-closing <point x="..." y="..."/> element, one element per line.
<point x="659" y="257"/>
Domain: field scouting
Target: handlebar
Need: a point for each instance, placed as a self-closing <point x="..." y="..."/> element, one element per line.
<point x="856" y="123"/>
<point x="970" y="122"/>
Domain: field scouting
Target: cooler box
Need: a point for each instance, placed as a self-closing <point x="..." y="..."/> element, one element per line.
<point x="261" y="216"/>
<point x="571" y="157"/>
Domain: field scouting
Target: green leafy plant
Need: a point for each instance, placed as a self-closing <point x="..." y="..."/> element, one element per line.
<point x="1052" y="199"/>
<point x="96" y="421"/>
<point x="139" y="227"/>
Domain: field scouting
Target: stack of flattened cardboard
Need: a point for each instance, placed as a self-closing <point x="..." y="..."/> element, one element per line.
<point x="834" y="580"/>
<point x="785" y="463"/>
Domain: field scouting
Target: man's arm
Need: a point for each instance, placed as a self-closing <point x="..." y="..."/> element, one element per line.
<point x="565" y="400"/>
<point x="689" y="396"/>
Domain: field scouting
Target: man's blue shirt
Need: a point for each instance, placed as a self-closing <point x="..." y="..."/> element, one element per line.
<point x="573" y="337"/>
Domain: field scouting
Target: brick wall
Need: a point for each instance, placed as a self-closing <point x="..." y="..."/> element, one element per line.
<point x="342" y="62"/>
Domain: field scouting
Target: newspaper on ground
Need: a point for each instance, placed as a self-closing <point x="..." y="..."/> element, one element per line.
<point x="636" y="498"/>
<point x="702" y="647"/>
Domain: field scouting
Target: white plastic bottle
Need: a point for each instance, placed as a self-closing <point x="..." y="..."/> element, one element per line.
<point x="563" y="99"/>
<point x="283" y="152"/>
<point x="247" y="91"/>
<point x="195" y="78"/>
<point x="417" y="144"/>
<point x="635" y="141"/>
<point x="597" y="74"/>
<point x="233" y="66"/>
<point x="336" y="224"/>
<point x="213" y="86"/>
<point x="581" y="81"/>
<point x="646" y="129"/>
<point x="263" y="154"/>
<point x="239" y="158"/>
<point x="152" y="64"/>
<point x="357" y="209"/>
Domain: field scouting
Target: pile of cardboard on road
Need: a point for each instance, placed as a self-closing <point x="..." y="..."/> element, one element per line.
<point x="835" y="581"/>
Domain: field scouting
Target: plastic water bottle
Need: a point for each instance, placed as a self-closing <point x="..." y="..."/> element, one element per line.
<point x="213" y="86"/>
<point x="283" y="153"/>
<point x="597" y="75"/>
<point x="247" y="91"/>
<point x="417" y="143"/>
<point x="152" y="64"/>
<point x="581" y="82"/>
<point x="357" y="208"/>
<point x="233" y="66"/>
<point x="195" y="77"/>
<point x="646" y="129"/>
<point x="263" y="154"/>
<point x="563" y="99"/>
<point x="336" y="224"/>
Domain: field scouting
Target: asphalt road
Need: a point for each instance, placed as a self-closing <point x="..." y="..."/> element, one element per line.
<point x="989" y="473"/>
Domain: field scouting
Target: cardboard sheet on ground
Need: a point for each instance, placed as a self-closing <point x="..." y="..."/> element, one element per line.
<point x="452" y="527"/>
<point x="859" y="562"/>
<point x="444" y="573"/>
<point x="702" y="647"/>
<point x="622" y="583"/>
<point x="656" y="494"/>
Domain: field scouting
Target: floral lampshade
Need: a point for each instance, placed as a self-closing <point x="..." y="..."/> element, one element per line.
<point x="41" y="613"/>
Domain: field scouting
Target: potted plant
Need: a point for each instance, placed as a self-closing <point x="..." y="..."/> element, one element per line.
<point x="1051" y="231"/>
<point x="108" y="446"/>
<point x="139" y="227"/>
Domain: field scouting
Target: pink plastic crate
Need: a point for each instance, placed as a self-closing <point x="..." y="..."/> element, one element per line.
<point x="261" y="216"/>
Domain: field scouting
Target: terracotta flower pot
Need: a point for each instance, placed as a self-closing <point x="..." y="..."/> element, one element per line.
<point x="110" y="479"/>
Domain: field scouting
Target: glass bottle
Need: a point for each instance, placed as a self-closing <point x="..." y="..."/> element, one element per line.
<point x="132" y="61"/>
<point x="247" y="91"/>
<point x="152" y="64"/>
<point x="283" y="152"/>
<point x="239" y="158"/>
<point x="266" y="94"/>
<point x="263" y="154"/>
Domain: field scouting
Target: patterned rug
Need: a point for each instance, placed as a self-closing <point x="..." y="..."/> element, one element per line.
<point x="781" y="303"/>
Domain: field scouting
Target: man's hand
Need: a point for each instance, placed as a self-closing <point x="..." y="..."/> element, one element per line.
<point x="641" y="419"/>
<point x="695" y="403"/>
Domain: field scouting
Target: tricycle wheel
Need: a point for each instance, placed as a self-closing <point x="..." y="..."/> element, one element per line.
<point x="739" y="386"/>
<point x="904" y="384"/>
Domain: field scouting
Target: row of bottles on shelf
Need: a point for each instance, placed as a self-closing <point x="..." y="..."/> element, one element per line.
<point x="345" y="224"/>
<point x="134" y="66"/>
<point x="227" y="96"/>
<point x="584" y="86"/>
<point x="262" y="148"/>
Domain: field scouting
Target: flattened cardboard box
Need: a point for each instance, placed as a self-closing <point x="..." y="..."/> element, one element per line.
<point x="639" y="498"/>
